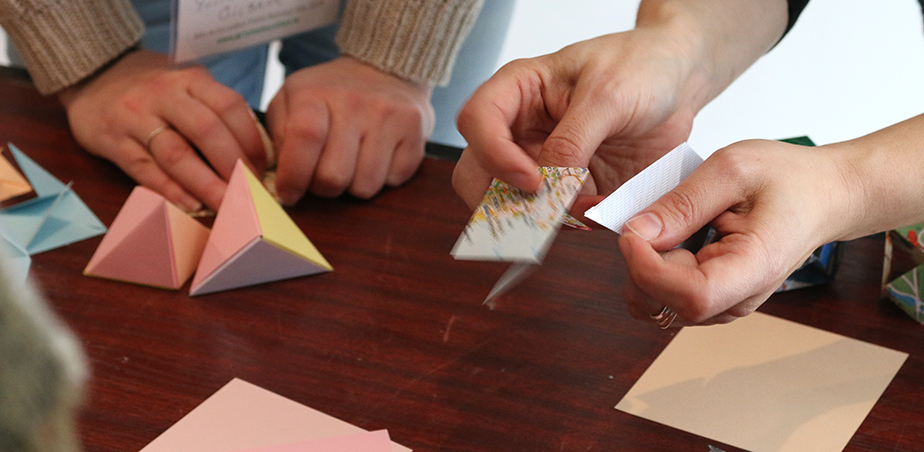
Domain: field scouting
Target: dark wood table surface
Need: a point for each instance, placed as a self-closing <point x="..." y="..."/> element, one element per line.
<point x="397" y="337"/>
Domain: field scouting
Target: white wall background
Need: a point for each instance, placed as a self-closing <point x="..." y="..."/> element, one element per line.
<point x="849" y="67"/>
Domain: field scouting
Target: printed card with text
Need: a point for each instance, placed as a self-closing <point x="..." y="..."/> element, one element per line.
<point x="200" y="28"/>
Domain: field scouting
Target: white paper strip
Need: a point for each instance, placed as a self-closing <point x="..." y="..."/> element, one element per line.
<point x="645" y="188"/>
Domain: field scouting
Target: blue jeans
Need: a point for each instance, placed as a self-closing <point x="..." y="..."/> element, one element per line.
<point x="242" y="71"/>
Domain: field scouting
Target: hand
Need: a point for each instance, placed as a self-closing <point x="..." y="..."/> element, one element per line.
<point x="345" y="125"/>
<point x="614" y="103"/>
<point x="113" y="114"/>
<point x="771" y="204"/>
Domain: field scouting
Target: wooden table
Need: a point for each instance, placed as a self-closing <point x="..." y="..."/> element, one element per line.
<point x="397" y="337"/>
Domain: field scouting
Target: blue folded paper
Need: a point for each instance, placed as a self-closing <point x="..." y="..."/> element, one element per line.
<point x="54" y="218"/>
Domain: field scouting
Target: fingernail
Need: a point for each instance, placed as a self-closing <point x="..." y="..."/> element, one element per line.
<point x="647" y="226"/>
<point x="190" y="205"/>
<point x="288" y="197"/>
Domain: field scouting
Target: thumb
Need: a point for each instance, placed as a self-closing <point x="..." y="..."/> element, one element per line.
<point x="576" y="137"/>
<point x="683" y="212"/>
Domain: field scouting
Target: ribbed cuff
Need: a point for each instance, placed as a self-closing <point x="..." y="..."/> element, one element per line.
<point x="416" y="40"/>
<point x="64" y="41"/>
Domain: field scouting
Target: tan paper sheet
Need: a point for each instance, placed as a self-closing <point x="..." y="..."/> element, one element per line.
<point x="764" y="384"/>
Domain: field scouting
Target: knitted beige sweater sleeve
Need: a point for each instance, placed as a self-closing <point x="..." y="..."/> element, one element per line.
<point x="64" y="41"/>
<point x="417" y="40"/>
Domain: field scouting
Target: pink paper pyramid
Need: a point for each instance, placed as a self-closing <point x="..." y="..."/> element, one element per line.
<point x="151" y="242"/>
<point x="253" y="241"/>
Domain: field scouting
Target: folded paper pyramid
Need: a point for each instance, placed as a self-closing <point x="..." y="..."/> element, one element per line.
<point x="55" y="217"/>
<point x="151" y="242"/>
<point x="14" y="186"/>
<point x="903" y="269"/>
<point x="253" y="241"/>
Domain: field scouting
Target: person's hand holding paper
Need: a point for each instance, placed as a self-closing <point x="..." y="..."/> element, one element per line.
<point x="588" y="105"/>
<point x="770" y="204"/>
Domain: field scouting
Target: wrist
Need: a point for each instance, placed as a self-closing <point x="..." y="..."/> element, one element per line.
<point x="423" y="87"/>
<point x="720" y="39"/>
<point x="67" y="94"/>
<point x="681" y="38"/>
<point x="884" y="176"/>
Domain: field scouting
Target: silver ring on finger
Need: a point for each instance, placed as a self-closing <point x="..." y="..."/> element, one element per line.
<point x="664" y="318"/>
<point x="154" y="133"/>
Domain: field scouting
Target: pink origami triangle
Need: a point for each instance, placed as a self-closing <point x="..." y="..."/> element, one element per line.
<point x="235" y="226"/>
<point x="238" y="253"/>
<point x="150" y="242"/>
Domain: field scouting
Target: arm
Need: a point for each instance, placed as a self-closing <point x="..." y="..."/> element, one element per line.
<point x="614" y="103"/>
<point x="60" y="50"/>
<point x="360" y="122"/>
<point x="115" y="96"/>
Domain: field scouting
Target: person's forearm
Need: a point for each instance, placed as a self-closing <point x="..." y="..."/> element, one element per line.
<point x="720" y="38"/>
<point x="883" y="175"/>
<point x="63" y="42"/>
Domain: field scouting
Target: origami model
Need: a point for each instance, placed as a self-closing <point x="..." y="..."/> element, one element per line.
<point x="55" y="217"/>
<point x="151" y="242"/>
<point x="253" y="241"/>
<point x="904" y="256"/>
<point x="512" y="226"/>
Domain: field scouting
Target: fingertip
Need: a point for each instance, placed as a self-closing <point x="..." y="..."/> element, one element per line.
<point x="647" y="226"/>
<point x="528" y="181"/>
<point x="288" y="195"/>
<point x="188" y="203"/>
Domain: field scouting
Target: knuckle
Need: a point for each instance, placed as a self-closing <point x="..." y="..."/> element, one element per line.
<point x="694" y="308"/>
<point x="306" y="130"/>
<point x="562" y="149"/>
<point x="680" y="205"/>
<point x="171" y="155"/>
<point x="737" y="164"/>
<point x="364" y="189"/>
<point x="136" y="164"/>
<point x="467" y="117"/>
<point x="330" y="184"/>
<point x="227" y="101"/>
<point x="401" y="175"/>
<point x="206" y="127"/>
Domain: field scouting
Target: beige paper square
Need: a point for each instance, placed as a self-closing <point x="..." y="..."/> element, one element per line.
<point x="764" y="384"/>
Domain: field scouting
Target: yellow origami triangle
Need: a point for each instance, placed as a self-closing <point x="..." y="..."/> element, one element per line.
<point x="278" y="228"/>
